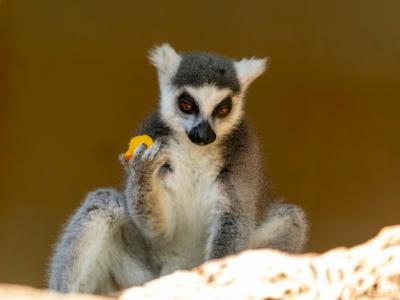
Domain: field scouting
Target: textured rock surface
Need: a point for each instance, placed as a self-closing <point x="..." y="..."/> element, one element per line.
<point x="368" y="271"/>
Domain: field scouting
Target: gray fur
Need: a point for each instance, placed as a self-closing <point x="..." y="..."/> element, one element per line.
<point x="197" y="69"/>
<point x="182" y="204"/>
<point x="232" y="225"/>
<point x="106" y="206"/>
<point x="291" y="235"/>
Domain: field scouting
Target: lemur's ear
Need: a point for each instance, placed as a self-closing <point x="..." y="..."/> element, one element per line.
<point x="165" y="59"/>
<point x="249" y="69"/>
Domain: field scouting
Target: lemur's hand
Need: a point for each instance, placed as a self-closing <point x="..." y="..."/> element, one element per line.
<point x="145" y="161"/>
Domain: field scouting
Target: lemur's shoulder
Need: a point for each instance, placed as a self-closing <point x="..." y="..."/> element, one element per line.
<point x="243" y="160"/>
<point x="240" y="142"/>
<point x="153" y="126"/>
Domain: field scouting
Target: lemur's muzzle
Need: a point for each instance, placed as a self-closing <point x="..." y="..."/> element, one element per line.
<point x="202" y="134"/>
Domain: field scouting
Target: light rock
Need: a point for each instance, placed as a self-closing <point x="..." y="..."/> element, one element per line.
<point x="368" y="271"/>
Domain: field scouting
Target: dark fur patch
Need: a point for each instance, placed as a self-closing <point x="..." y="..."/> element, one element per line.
<point x="153" y="126"/>
<point x="197" y="69"/>
<point x="225" y="242"/>
<point x="235" y="144"/>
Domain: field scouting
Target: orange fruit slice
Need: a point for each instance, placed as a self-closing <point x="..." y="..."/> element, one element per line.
<point x="135" y="142"/>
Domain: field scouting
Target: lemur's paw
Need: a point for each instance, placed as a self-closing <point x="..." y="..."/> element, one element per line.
<point x="146" y="161"/>
<point x="151" y="153"/>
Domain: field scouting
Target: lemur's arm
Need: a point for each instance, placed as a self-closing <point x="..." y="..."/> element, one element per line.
<point x="230" y="232"/>
<point x="81" y="260"/>
<point x="284" y="227"/>
<point x="143" y="190"/>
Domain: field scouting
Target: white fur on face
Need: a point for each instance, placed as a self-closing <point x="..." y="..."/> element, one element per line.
<point x="169" y="107"/>
<point x="207" y="98"/>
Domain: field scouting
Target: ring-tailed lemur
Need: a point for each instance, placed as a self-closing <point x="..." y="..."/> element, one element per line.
<point x="198" y="193"/>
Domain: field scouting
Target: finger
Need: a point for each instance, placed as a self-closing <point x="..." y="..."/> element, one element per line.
<point x="139" y="151"/>
<point x="152" y="151"/>
<point x="122" y="159"/>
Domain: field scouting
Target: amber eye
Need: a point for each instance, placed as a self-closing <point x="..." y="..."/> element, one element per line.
<point x="187" y="104"/>
<point x="185" y="107"/>
<point x="223" y="111"/>
<point x="223" y="108"/>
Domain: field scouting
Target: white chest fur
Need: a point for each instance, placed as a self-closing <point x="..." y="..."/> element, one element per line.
<point x="191" y="192"/>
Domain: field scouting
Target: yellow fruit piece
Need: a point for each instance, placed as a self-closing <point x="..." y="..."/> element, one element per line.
<point x="135" y="142"/>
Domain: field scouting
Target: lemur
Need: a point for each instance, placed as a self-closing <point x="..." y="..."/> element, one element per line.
<point x="198" y="193"/>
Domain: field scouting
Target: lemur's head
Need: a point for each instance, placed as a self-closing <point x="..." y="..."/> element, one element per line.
<point x="202" y="94"/>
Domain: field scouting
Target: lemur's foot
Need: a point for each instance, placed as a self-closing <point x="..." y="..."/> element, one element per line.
<point x="108" y="200"/>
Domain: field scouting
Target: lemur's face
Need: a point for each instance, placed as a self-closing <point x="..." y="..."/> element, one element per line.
<point x="205" y="112"/>
<point x="202" y="94"/>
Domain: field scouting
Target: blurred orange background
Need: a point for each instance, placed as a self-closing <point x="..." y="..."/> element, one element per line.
<point x="75" y="81"/>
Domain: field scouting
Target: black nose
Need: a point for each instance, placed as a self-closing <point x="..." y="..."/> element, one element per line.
<point x="202" y="134"/>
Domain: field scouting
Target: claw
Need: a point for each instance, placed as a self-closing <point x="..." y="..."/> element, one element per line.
<point x="139" y="152"/>
<point x="122" y="159"/>
<point x="151" y="152"/>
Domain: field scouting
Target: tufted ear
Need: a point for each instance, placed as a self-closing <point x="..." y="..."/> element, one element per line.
<point x="249" y="69"/>
<point x="165" y="59"/>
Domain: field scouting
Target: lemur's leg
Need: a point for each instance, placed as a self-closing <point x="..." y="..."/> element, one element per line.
<point x="145" y="171"/>
<point x="285" y="229"/>
<point x="85" y="257"/>
<point x="230" y="232"/>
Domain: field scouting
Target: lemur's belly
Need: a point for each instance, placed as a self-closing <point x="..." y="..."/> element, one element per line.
<point x="191" y="193"/>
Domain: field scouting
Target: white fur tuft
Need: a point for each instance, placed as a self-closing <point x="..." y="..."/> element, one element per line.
<point x="165" y="59"/>
<point x="249" y="69"/>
